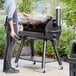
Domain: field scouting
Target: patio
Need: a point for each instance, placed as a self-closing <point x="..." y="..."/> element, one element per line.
<point x="28" y="69"/>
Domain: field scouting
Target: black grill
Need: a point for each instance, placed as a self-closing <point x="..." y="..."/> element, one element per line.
<point x="49" y="30"/>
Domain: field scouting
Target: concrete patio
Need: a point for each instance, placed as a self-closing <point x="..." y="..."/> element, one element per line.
<point x="28" y="69"/>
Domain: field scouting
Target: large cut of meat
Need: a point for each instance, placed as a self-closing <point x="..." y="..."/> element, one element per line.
<point x="34" y="19"/>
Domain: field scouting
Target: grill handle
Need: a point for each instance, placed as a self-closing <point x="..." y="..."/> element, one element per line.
<point x="56" y="31"/>
<point x="58" y="15"/>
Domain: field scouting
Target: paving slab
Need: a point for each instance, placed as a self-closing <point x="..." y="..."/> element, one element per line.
<point x="28" y="69"/>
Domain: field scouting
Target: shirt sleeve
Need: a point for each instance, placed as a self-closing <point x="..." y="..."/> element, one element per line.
<point x="11" y="9"/>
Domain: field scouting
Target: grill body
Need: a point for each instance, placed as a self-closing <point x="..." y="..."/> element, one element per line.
<point x="49" y="30"/>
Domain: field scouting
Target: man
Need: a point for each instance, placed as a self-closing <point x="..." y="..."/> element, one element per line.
<point x="11" y="35"/>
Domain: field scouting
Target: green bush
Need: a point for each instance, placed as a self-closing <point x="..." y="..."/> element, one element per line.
<point x="26" y="5"/>
<point x="69" y="11"/>
<point x="1" y="3"/>
<point x="38" y="45"/>
<point x="66" y="38"/>
<point x="2" y="39"/>
<point x="65" y="42"/>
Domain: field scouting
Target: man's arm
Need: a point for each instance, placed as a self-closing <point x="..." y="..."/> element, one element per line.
<point x="12" y="33"/>
<point x="11" y="11"/>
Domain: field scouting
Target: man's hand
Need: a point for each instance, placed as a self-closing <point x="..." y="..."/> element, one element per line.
<point x="29" y="16"/>
<point x="23" y="14"/>
<point x="13" y="34"/>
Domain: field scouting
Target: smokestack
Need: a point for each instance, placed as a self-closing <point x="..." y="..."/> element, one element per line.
<point x="58" y="15"/>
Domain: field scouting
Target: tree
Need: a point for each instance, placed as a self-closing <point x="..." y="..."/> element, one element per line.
<point x="1" y="3"/>
<point x="27" y="5"/>
<point x="48" y="7"/>
<point x="69" y="11"/>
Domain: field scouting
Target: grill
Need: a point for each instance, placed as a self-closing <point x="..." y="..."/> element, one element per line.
<point x="48" y="30"/>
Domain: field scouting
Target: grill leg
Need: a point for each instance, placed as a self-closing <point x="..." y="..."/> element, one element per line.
<point x="54" y="41"/>
<point x="43" y="56"/>
<point x="32" y="47"/>
<point x="19" y="50"/>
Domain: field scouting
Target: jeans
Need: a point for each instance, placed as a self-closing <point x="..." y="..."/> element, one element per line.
<point x="10" y="45"/>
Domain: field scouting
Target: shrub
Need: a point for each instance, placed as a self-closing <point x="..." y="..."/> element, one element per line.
<point x="26" y="6"/>
<point x="66" y="38"/>
<point x="69" y="11"/>
<point x="1" y="3"/>
<point x="2" y="39"/>
<point x="38" y="45"/>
